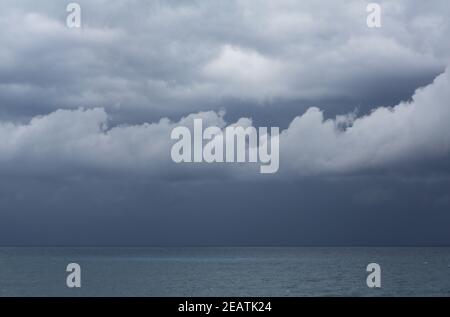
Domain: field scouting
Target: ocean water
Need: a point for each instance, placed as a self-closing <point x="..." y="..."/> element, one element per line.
<point x="195" y="272"/>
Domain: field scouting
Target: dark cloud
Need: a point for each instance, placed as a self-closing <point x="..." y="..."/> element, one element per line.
<point x="171" y="58"/>
<point x="68" y="140"/>
<point x="364" y="210"/>
<point x="86" y="117"/>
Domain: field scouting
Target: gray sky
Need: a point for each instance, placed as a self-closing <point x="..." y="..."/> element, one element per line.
<point x="86" y="116"/>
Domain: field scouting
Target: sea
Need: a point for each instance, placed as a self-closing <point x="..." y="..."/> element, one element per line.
<point x="225" y="271"/>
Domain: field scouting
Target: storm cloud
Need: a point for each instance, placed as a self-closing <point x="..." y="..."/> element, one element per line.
<point x="171" y="58"/>
<point x="86" y="116"/>
<point x="415" y="130"/>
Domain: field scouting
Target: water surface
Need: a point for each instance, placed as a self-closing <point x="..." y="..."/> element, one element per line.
<point x="225" y="271"/>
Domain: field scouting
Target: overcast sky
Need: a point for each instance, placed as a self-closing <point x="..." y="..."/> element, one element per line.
<point x="86" y="116"/>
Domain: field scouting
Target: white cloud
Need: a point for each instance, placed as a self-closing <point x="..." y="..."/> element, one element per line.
<point x="71" y="140"/>
<point x="410" y="131"/>
<point x="80" y="139"/>
<point x="244" y="72"/>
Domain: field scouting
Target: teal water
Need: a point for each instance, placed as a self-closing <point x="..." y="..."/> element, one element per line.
<point x="225" y="271"/>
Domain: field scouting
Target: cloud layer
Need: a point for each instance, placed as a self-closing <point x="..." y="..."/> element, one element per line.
<point x="411" y="131"/>
<point x="175" y="57"/>
<point x="416" y="130"/>
<point x="66" y="94"/>
<point x="86" y="117"/>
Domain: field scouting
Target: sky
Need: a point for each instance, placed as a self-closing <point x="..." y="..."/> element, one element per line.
<point x="86" y="116"/>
